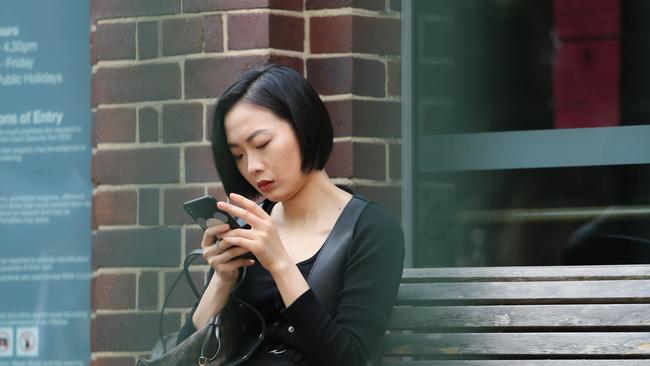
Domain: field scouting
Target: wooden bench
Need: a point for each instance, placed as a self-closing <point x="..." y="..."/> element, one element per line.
<point x="578" y="315"/>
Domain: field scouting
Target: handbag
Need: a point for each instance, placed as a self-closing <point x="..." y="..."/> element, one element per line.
<point x="229" y="339"/>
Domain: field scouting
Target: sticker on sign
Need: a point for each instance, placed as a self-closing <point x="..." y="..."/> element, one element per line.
<point x="27" y="341"/>
<point x="6" y="342"/>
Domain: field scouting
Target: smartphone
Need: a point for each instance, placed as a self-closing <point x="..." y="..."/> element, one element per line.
<point x="205" y="212"/>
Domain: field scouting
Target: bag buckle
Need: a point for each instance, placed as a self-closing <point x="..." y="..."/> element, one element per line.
<point x="203" y="361"/>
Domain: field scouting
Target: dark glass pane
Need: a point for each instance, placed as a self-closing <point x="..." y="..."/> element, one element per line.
<point x="535" y="216"/>
<point x="490" y="65"/>
<point x="512" y="71"/>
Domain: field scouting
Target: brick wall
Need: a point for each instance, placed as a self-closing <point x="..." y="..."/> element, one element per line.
<point x="158" y="66"/>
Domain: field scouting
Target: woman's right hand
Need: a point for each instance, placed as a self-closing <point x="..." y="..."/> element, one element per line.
<point x="222" y="260"/>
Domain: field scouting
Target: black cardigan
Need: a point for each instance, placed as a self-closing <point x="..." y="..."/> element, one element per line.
<point x="371" y="278"/>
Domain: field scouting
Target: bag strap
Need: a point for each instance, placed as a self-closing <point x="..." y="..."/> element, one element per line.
<point x="188" y="276"/>
<point x="186" y="271"/>
<point x="326" y="276"/>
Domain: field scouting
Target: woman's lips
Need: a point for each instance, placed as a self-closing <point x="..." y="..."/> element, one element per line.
<point x="265" y="185"/>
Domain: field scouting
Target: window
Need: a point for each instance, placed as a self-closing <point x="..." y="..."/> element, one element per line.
<point x="529" y="132"/>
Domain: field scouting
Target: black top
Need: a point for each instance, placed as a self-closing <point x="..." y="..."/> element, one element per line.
<point x="372" y="276"/>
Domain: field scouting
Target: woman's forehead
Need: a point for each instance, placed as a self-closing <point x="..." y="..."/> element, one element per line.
<point x="244" y="119"/>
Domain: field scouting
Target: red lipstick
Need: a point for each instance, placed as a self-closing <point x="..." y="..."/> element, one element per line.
<point x="265" y="185"/>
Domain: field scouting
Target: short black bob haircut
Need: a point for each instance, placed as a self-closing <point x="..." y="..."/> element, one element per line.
<point x="289" y="96"/>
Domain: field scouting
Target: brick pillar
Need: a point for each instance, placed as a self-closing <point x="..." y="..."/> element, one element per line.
<point x="353" y="62"/>
<point x="157" y="68"/>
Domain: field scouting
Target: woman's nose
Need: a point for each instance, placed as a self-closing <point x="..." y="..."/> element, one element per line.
<point x="254" y="164"/>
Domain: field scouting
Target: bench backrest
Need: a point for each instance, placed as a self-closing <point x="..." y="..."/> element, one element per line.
<point x="578" y="315"/>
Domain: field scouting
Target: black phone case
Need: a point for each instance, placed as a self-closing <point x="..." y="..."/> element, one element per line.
<point x="205" y="213"/>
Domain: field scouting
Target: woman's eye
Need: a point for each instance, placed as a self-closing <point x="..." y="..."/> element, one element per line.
<point x="263" y="145"/>
<point x="237" y="157"/>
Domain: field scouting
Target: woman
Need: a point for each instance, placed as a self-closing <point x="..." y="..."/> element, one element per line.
<point x="271" y="138"/>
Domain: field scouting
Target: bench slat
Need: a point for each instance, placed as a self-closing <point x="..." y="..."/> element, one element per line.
<point x="545" y="273"/>
<point x="520" y="363"/>
<point x="519" y="344"/>
<point x="528" y="292"/>
<point x="516" y="316"/>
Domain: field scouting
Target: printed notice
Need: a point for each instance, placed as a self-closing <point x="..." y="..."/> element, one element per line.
<point x="39" y="209"/>
<point x="45" y="183"/>
<point x="18" y="66"/>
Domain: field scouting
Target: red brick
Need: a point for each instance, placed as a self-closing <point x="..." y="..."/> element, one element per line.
<point x="389" y="197"/>
<point x="377" y="118"/>
<point x="130" y="331"/>
<point x="151" y="165"/>
<point x="182" y="36"/>
<point x="147" y="40"/>
<point x="394" y="78"/>
<point x="173" y="203"/>
<point x="292" y="62"/>
<point x="193" y="239"/>
<point x="340" y="163"/>
<point x="199" y="165"/>
<point x="395" y="159"/>
<point x="136" y="83"/>
<point x="208" y="77"/>
<point x="156" y="247"/>
<point x="114" y="125"/>
<point x="264" y="30"/>
<point x="322" y="29"/>
<point x="93" y="48"/>
<point x="342" y="116"/>
<point x="148" y="206"/>
<point x="331" y="4"/>
<point x="377" y="35"/>
<point x="113" y="361"/>
<point x="182" y="296"/>
<point x="213" y="33"/>
<point x="370" y="161"/>
<point x="248" y="31"/>
<point x="148" y="291"/>
<point x="287" y="33"/>
<point x="148" y="124"/>
<point x="193" y="6"/>
<point x="209" y="116"/>
<point x="93" y="128"/>
<point x="115" y="41"/>
<point x="357" y="160"/>
<point x="365" y="118"/>
<point x="113" y="291"/>
<point x="114" y="208"/>
<point x="104" y="9"/>
<point x="344" y="75"/>
<point x="353" y="33"/>
<point x="217" y="193"/>
<point x="182" y="122"/>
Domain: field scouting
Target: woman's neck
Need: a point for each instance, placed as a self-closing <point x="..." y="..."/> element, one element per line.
<point x="317" y="198"/>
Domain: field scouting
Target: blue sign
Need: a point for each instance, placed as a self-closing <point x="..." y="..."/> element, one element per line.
<point x="45" y="183"/>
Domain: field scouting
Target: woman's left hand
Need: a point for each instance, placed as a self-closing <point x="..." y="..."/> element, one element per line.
<point x="262" y="239"/>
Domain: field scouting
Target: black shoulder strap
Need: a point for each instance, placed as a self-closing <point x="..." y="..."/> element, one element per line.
<point x="326" y="276"/>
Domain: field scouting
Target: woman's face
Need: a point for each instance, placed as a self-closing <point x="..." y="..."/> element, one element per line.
<point x="266" y="151"/>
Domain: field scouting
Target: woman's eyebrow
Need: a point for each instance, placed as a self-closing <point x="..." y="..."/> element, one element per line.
<point x="251" y="136"/>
